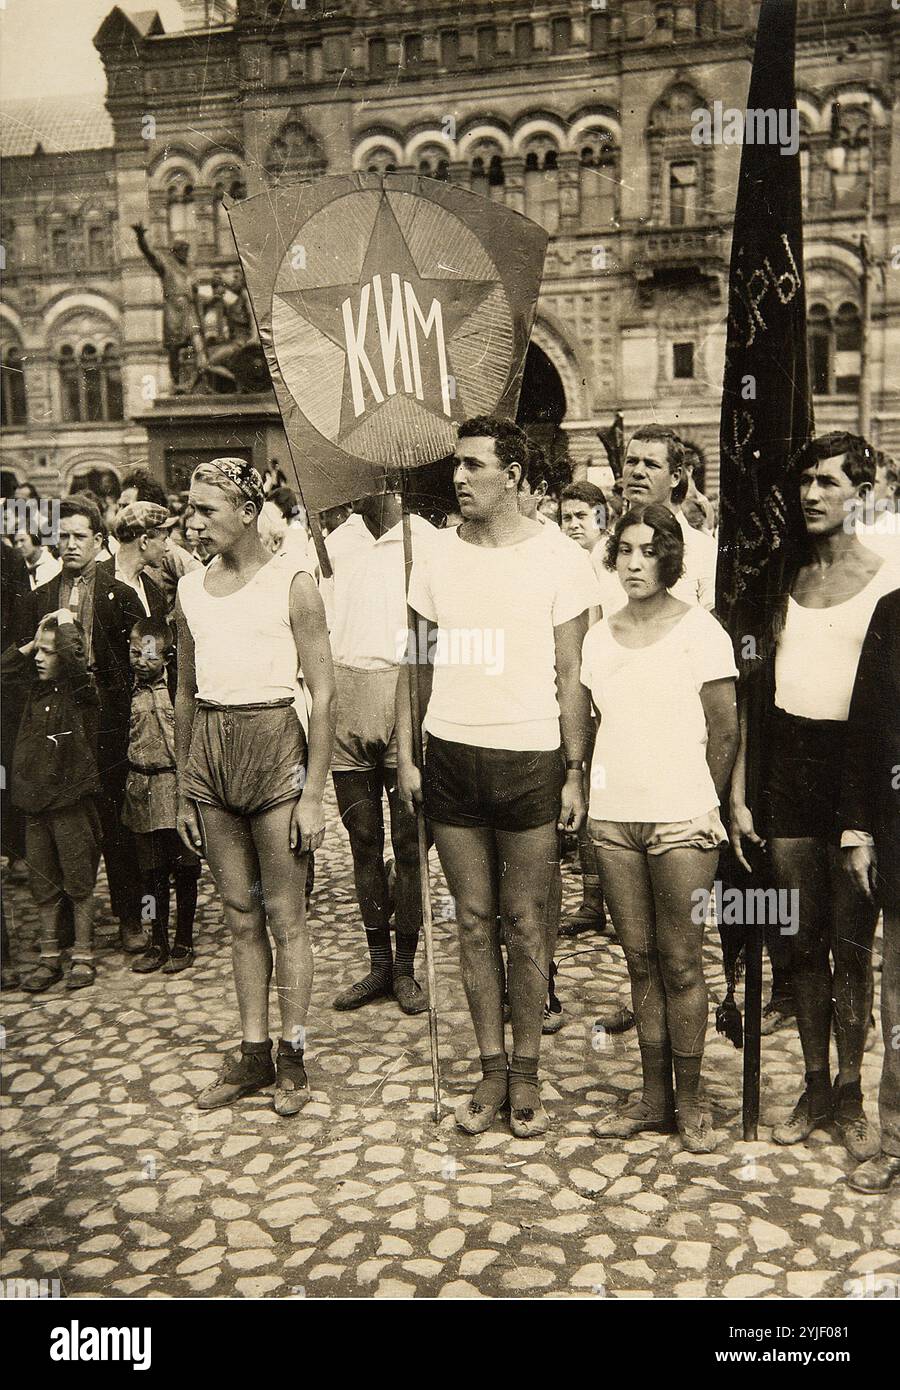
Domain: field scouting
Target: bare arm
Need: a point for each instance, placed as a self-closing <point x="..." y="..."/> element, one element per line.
<point x="314" y="657"/>
<point x="409" y="777"/>
<point x="723" y="736"/>
<point x="740" y="815"/>
<point x="574" y="715"/>
<point x="187" y="821"/>
<point x="152" y="260"/>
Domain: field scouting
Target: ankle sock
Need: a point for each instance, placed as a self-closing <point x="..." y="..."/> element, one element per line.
<point x="656" y="1066"/>
<point x="524" y="1089"/>
<point x="493" y="1087"/>
<point x="290" y="1058"/>
<point x="379" y="944"/>
<point x="405" y="952"/>
<point x="257" y="1049"/>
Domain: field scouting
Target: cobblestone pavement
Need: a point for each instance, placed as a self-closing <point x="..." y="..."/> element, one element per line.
<point x="115" y="1184"/>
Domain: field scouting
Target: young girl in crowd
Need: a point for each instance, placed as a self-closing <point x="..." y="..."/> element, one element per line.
<point x="55" y="779"/>
<point x="150" y="803"/>
<point x="662" y="677"/>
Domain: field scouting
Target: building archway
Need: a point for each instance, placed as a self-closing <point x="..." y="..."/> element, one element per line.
<point x="542" y="403"/>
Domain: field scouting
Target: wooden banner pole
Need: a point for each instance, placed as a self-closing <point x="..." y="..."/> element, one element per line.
<point x="412" y="667"/>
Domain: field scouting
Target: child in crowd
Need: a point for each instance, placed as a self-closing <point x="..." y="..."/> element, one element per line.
<point x="150" y="803"/>
<point x="55" y="779"/>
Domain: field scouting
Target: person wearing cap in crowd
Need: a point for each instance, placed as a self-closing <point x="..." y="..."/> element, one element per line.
<point x="142" y="542"/>
<point x="140" y="486"/>
<point x="250" y="782"/>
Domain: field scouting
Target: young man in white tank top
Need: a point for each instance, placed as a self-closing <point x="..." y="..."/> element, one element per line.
<point x="250" y="789"/>
<point x="831" y="602"/>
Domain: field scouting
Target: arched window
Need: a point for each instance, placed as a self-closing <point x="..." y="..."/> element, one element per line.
<point x="60" y="246"/>
<point x="14" y="397"/>
<point x="819" y="339"/>
<point x="380" y="162"/>
<point x="478" y="180"/>
<point x="542" y="186"/>
<point x="97" y="252"/>
<point x="181" y="214"/>
<point x="847" y="348"/>
<point x="229" y="183"/>
<point x="599" y="182"/>
<point x="90" y="384"/>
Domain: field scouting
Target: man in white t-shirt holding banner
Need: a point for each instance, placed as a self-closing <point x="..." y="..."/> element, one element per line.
<point x="503" y="613"/>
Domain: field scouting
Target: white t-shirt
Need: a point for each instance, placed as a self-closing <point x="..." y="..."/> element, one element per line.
<point x="649" y="760"/>
<point x="244" y="649"/>
<point x="343" y="546"/>
<point x="818" y="650"/>
<point x="369" y="623"/>
<point x="696" y="586"/>
<point x="495" y="608"/>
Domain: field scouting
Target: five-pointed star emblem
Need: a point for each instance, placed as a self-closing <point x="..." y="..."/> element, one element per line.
<point x="388" y="253"/>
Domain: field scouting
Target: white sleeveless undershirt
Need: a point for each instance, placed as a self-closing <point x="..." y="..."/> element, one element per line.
<point x="244" y="649"/>
<point x="818" y="651"/>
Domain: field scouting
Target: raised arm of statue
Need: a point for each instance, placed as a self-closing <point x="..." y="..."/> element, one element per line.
<point x="152" y="260"/>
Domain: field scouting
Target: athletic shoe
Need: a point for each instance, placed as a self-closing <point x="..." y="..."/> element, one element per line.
<point x="553" y="1018"/>
<point x="242" y="1075"/>
<point x="700" y="1138"/>
<point x="410" y="995"/>
<point x="365" y="991"/>
<point x="857" y="1136"/>
<point x="803" y="1120"/>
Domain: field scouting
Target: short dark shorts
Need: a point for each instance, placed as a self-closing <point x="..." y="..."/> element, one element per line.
<point x="245" y="758"/>
<point x="496" y="788"/>
<point x="802" y="785"/>
<point x="63" y="852"/>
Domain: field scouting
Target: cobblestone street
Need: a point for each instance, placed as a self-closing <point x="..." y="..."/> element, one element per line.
<point x="116" y="1185"/>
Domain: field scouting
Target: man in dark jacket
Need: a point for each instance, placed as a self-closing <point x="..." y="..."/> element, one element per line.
<point x="870" y="841"/>
<point x="107" y="610"/>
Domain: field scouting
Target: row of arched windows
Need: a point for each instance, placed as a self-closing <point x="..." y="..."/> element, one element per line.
<point x="183" y="201"/>
<point x="90" y="382"/>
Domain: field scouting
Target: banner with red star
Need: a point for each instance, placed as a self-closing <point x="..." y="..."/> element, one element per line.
<point x="390" y="309"/>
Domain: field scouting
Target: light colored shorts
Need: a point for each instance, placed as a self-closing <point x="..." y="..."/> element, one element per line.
<point x="364" y="738"/>
<point x="655" y="837"/>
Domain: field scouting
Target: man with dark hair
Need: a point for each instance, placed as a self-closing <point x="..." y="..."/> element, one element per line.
<point x="831" y="601"/>
<point x="42" y="566"/>
<point x="107" y="610"/>
<point x="143" y="542"/>
<point x="140" y="486"/>
<point x="505" y="608"/>
<point x="654" y="468"/>
<point x="870" y="849"/>
<point x="584" y="518"/>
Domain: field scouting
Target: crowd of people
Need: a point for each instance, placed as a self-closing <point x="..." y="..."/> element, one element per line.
<point x="181" y="678"/>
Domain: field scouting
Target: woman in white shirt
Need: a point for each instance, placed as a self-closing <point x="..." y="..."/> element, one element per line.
<point x="661" y="675"/>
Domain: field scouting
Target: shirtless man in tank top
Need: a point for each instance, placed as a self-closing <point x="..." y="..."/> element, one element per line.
<point x="250" y="790"/>
<point x="831" y="602"/>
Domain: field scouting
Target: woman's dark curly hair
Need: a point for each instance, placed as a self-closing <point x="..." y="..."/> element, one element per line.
<point x="667" y="535"/>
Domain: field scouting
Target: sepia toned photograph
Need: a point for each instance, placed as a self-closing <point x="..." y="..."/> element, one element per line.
<point x="451" y="666"/>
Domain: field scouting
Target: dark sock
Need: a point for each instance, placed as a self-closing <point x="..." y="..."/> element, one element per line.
<point x="157" y="887"/>
<point x="186" y="881"/>
<point x="379" y="944"/>
<point x="818" y="1086"/>
<point x="492" y="1088"/>
<point x="687" y="1080"/>
<point x="782" y="985"/>
<point x="656" y="1066"/>
<point x="291" y="1058"/>
<point x="405" y="952"/>
<point x="256" y="1049"/>
<point x="524" y="1091"/>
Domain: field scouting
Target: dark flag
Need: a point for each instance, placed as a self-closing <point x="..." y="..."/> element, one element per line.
<point x="766" y="419"/>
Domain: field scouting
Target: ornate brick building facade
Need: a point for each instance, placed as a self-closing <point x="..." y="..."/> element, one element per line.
<point x="578" y="115"/>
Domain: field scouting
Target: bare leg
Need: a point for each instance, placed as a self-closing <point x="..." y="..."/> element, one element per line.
<point x="233" y="862"/>
<point x="469" y="860"/>
<point x="676" y="876"/>
<point x="284" y="895"/>
<point x="529" y="869"/>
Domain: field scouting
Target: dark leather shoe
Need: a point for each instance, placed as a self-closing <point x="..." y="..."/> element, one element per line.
<point x="410" y="995"/>
<point x="243" y="1075"/>
<point x="876" y="1175"/>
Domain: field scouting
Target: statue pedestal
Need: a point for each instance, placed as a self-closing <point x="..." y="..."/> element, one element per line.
<point x="184" y="431"/>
